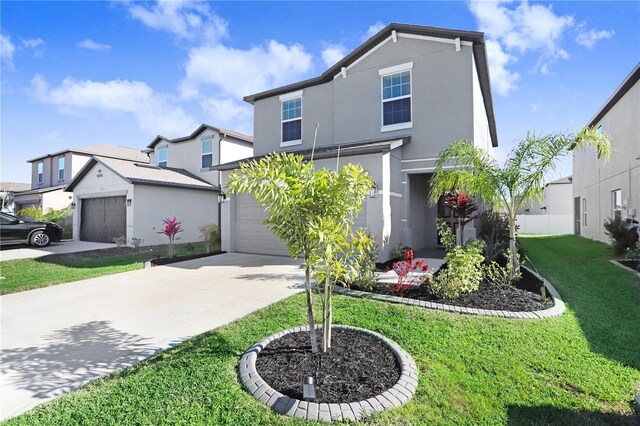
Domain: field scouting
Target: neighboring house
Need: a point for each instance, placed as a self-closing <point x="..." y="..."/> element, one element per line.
<point x="553" y="214"/>
<point x="603" y="190"/>
<point x="114" y="198"/>
<point x="7" y="194"/>
<point x="391" y="105"/>
<point x="50" y="173"/>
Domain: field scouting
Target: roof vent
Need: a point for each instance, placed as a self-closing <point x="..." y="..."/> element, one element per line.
<point x="147" y="166"/>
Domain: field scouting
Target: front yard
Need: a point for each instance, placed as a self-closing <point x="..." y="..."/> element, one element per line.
<point x="28" y="274"/>
<point x="581" y="368"/>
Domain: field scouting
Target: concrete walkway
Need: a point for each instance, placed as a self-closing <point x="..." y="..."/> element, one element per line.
<point x="58" y="338"/>
<point x="14" y="252"/>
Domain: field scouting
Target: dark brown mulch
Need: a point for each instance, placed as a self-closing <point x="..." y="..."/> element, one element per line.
<point x="523" y="296"/>
<point x="631" y="264"/>
<point x="111" y="251"/>
<point x="357" y="367"/>
<point x="167" y="261"/>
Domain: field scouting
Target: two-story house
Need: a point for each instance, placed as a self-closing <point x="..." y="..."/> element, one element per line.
<point x="50" y="173"/>
<point x="115" y="198"/>
<point x="604" y="190"/>
<point x="391" y="105"/>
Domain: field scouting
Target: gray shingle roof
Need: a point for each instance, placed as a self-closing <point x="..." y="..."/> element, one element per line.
<point x="104" y="150"/>
<point x="200" y="129"/>
<point x="14" y="186"/>
<point x="144" y="174"/>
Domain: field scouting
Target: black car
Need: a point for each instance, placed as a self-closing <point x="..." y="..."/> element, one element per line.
<point x="14" y="230"/>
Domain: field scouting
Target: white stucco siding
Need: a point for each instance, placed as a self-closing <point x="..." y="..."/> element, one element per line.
<point x="100" y="182"/>
<point x="55" y="200"/>
<point x="481" y="134"/>
<point x="232" y="150"/>
<point x="152" y="204"/>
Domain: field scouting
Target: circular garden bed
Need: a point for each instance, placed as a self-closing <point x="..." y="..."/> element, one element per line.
<point x="362" y="373"/>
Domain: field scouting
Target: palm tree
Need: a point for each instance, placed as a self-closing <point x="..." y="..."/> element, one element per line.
<point x="472" y="169"/>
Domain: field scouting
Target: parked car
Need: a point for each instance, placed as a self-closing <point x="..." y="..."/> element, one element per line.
<point x="14" y="230"/>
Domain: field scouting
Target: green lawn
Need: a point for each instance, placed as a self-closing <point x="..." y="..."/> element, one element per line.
<point x="27" y="274"/>
<point x="581" y="368"/>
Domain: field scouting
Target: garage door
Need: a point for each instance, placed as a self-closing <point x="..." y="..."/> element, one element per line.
<point x="103" y="219"/>
<point x="252" y="236"/>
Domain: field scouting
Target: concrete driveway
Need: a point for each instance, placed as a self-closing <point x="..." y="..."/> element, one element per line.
<point x="12" y="252"/>
<point x="58" y="338"/>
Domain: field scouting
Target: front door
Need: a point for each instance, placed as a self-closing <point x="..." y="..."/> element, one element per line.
<point x="576" y="215"/>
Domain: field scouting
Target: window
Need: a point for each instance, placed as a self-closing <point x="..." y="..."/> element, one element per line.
<point x="616" y="202"/>
<point x="396" y="97"/>
<point x="584" y="212"/>
<point x="291" y="120"/>
<point x="40" y="172"/>
<point x="600" y="129"/>
<point x="162" y="157"/>
<point x="207" y="153"/>
<point x="60" y="168"/>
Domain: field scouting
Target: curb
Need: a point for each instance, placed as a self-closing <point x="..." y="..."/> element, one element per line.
<point x="556" y="310"/>
<point x="399" y="394"/>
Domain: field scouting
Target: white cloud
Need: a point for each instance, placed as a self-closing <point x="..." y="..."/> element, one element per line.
<point x="535" y="107"/>
<point x="332" y="53"/>
<point x="589" y="38"/>
<point x="89" y="44"/>
<point x="503" y="80"/>
<point x="154" y="112"/>
<point x="373" y="30"/>
<point x="231" y="113"/>
<point x="7" y="50"/>
<point x="32" y="43"/>
<point x="189" y="20"/>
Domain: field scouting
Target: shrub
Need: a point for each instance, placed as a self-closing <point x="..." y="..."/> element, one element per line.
<point x="136" y="242"/>
<point x="494" y="231"/>
<point x="633" y="253"/>
<point x="410" y="273"/>
<point x="189" y="248"/>
<point x="621" y="234"/>
<point x="400" y="251"/>
<point x="171" y="228"/>
<point x="364" y="259"/>
<point x="120" y="241"/>
<point x="464" y="271"/>
<point x="499" y="275"/>
<point x="210" y="234"/>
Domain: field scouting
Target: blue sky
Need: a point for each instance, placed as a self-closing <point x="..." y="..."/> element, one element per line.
<point x="85" y="73"/>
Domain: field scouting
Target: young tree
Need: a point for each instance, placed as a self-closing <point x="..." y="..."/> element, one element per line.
<point x="518" y="181"/>
<point x="463" y="206"/>
<point x="171" y="228"/>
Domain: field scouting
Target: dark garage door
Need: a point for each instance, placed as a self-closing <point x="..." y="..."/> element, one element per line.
<point x="103" y="219"/>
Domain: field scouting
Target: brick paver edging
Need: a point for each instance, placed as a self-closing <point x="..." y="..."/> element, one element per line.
<point x="555" y="311"/>
<point x="399" y="394"/>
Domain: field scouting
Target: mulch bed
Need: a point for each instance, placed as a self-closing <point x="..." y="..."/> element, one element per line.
<point x="523" y="296"/>
<point x="167" y="261"/>
<point x="111" y="251"/>
<point x="631" y="264"/>
<point x="358" y="366"/>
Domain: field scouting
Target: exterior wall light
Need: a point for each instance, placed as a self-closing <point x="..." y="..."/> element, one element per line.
<point x="222" y="197"/>
<point x="73" y="205"/>
<point x="308" y="389"/>
<point x="128" y="202"/>
<point x="374" y="191"/>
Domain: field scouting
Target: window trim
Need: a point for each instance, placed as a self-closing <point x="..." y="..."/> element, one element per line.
<point x="40" y="174"/>
<point x="288" y="97"/>
<point x="202" y="153"/>
<point x="166" y="161"/>
<point x="385" y="72"/>
<point x="613" y="202"/>
<point x="584" y="212"/>
<point x="61" y="169"/>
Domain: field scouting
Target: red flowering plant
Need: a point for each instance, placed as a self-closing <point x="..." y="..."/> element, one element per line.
<point x="171" y="228"/>
<point x="410" y="273"/>
<point x="463" y="207"/>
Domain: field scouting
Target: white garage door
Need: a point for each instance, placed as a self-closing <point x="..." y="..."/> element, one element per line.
<point x="252" y="236"/>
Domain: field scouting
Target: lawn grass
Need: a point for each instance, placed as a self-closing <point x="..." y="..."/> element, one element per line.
<point x="28" y="274"/>
<point x="473" y="370"/>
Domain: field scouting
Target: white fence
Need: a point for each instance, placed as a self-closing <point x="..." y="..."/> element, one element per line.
<point x="545" y="224"/>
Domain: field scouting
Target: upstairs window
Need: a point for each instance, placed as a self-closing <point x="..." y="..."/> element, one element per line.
<point x="40" y="172"/>
<point x="396" y="97"/>
<point x="207" y="153"/>
<point x="291" y="119"/>
<point x="616" y="202"/>
<point x="60" y="169"/>
<point x="162" y="157"/>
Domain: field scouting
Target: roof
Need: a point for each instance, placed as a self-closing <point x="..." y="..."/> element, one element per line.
<point x="562" y="181"/>
<point x="622" y="90"/>
<point x="202" y="128"/>
<point x="479" y="53"/>
<point x="40" y="190"/>
<point x="144" y="174"/>
<point x="105" y="150"/>
<point x="14" y="186"/>
<point x="332" y="151"/>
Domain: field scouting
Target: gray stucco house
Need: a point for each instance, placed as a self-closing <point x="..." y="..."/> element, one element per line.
<point x="391" y="105"/>
<point x="605" y="189"/>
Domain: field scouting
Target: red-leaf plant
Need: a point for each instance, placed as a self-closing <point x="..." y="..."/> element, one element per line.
<point x="463" y="206"/>
<point x="408" y="273"/>
<point x="171" y="228"/>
